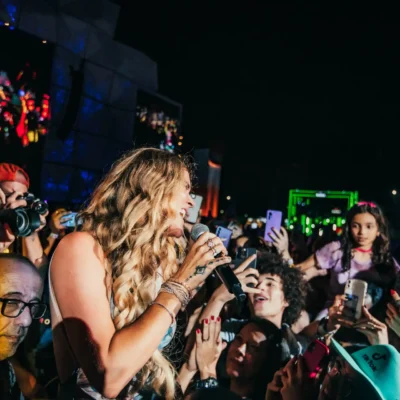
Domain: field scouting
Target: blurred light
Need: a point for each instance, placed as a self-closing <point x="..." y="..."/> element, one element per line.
<point x="394" y="192"/>
<point x="179" y="143"/>
<point x="291" y="227"/>
<point x="313" y="226"/>
<point x="328" y="220"/>
<point x="6" y="23"/>
<point x="250" y="219"/>
<point x="44" y="41"/>
<point x="254" y="225"/>
<point x="180" y="137"/>
<point x="307" y="229"/>
<point x="222" y="211"/>
<point x="321" y="232"/>
<point x="343" y="221"/>
<point x="246" y="215"/>
<point x="307" y="221"/>
<point x="228" y="197"/>
<point x="334" y="227"/>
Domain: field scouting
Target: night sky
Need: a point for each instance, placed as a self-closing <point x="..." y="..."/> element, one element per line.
<point x="292" y="96"/>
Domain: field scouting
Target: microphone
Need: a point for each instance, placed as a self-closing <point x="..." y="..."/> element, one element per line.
<point x="224" y="272"/>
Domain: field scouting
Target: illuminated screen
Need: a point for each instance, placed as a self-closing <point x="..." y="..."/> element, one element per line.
<point x="157" y="122"/>
<point x="25" y="75"/>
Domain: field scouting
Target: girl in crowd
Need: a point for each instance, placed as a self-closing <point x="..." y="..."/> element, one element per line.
<point x="363" y="253"/>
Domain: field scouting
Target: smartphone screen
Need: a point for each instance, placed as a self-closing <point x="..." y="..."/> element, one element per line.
<point x="69" y="220"/>
<point x="224" y="233"/>
<point x="193" y="213"/>
<point x="355" y="291"/>
<point x="273" y="220"/>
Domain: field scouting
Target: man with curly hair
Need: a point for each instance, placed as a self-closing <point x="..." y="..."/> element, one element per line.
<point x="283" y="291"/>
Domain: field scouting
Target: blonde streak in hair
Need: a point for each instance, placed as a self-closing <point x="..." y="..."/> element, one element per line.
<point x="164" y="375"/>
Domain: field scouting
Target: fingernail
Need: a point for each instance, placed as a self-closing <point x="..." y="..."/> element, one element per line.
<point x="393" y="292"/>
<point x="212" y="317"/>
<point x="206" y="321"/>
<point x="198" y="331"/>
<point x="219" y="319"/>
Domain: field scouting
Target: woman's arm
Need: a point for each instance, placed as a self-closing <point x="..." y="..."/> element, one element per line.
<point x="108" y="357"/>
<point x="310" y="268"/>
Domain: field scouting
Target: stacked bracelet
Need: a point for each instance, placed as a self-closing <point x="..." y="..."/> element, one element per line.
<point x="178" y="290"/>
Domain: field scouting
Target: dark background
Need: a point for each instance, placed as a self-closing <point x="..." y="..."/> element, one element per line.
<point x="294" y="96"/>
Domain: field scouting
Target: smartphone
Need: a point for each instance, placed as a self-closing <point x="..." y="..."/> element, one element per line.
<point x="355" y="292"/>
<point x="273" y="220"/>
<point x="242" y="254"/>
<point x="314" y="354"/>
<point x="224" y="233"/>
<point x="193" y="213"/>
<point x="69" y="220"/>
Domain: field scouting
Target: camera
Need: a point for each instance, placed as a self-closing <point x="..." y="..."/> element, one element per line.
<point x="23" y="221"/>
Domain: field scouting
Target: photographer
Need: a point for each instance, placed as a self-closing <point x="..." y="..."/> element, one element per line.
<point x="14" y="185"/>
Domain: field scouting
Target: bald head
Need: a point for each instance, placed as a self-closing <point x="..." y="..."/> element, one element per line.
<point x="19" y="282"/>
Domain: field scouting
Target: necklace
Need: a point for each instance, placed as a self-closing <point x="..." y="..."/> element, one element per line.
<point x="363" y="250"/>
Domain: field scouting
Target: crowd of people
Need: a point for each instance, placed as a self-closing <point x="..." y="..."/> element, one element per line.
<point x="119" y="302"/>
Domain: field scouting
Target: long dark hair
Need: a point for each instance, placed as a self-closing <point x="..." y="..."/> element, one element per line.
<point x="381" y="247"/>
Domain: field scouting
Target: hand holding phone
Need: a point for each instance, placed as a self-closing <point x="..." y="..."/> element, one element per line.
<point x="273" y="220"/>
<point x="354" y="292"/>
<point x="242" y="254"/>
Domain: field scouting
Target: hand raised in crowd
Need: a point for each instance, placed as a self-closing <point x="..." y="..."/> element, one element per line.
<point x="393" y="313"/>
<point x="335" y="313"/>
<point x="280" y="240"/>
<point x="245" y="276"/>
<point x="296" y="382"/>
<point x="375" y="330"/>
<point x="275" y="386"/>
<point x="200" y="260"/>
<point x="57" y="219"/>
<point x="209" y="347"/>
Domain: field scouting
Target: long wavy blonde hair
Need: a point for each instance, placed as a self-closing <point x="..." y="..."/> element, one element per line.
<point x="128" y="214"/>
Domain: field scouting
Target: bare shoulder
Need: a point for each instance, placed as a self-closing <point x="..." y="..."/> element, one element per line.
<point x="76" y="249"/>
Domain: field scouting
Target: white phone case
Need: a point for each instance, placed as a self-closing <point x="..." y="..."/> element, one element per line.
<point x="355" y="291"/>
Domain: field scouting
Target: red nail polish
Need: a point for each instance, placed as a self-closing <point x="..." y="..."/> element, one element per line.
<point x="392" y="292"/>
<point x="212" y="317"/>
<point x="206" y="321"/>
<point x="219" y="319"/>
<point x="198" y="331"/>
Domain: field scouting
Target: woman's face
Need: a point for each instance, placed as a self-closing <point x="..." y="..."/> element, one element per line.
<point x="180" y="202"/>
<point x="246" y="353"/>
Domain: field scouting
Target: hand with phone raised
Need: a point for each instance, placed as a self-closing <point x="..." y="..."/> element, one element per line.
<point x="246" y="276"/>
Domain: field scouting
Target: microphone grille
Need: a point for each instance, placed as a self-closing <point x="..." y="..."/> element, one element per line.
<point x="198" y="230"/>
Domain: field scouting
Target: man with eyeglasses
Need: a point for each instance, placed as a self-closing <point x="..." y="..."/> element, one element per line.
<point x="21" y="290"/>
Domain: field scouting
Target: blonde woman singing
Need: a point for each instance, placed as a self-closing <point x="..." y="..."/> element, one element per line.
<point x="117" y="285"/>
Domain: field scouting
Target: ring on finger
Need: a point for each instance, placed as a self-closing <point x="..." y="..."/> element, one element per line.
<point x="210" y="243"/>
<point x="215" y="252"/>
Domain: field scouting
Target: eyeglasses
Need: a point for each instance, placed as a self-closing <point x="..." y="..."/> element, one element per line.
<point x="13" y="308"/>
